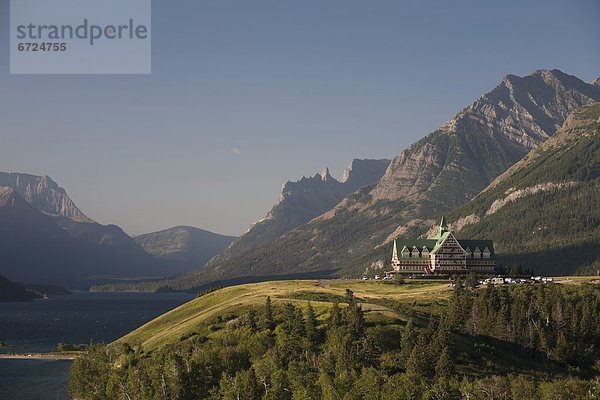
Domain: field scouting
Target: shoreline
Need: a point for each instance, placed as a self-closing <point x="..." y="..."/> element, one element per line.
<point x="39" y="356"/>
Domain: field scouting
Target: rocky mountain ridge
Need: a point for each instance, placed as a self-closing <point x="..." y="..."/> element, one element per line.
<point x="301" y="201"/>
<point x="44" y="194"/>
<point x="487" y="137"/>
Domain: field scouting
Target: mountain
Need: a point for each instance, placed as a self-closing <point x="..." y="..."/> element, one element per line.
<point x="303" y="200"/>
<point x="186" y="246"/>
<point x="543" y="212"/>
<point x="47" y="196"/>
<point x="44" y="194"/>
<point x="438" y="173"/>
<point x="40" y="247"/>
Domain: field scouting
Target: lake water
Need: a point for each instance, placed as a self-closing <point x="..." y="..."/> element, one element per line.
<point x="40" y="325"/>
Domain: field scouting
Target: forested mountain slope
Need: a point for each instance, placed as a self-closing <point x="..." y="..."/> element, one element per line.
<point x="544" y="212"/>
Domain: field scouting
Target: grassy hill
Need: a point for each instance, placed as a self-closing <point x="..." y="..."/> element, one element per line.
<point x="287" y="340"/>
<point x="196" y="316"/>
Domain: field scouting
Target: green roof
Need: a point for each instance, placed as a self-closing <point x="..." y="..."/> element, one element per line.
<point x="434" y="244"/>
<point x="410" y="243"/>
<point x="482" y="244"/>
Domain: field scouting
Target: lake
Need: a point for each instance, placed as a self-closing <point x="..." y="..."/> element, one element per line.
<point x="40" y="325"/>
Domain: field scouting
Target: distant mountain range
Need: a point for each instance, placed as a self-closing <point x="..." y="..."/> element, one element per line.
<point x="495" y="168"/>
<point x="185" y="246"/>
<point x="442" y="171"/>
<point x="45" y="238"/>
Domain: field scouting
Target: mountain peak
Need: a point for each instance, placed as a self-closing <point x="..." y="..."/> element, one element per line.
<point x="44" y="194"/>
<point x="325" y="174"/>
<point x="360" y="173"/>
<point x="513" y="118"/>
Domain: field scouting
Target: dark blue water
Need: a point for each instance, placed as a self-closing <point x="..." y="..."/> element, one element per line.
<point x="40" y="325"/>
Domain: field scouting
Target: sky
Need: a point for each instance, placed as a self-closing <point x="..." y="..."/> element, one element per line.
<point x="245" y="95"/>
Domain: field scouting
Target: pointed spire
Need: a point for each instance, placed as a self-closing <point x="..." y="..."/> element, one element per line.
<point x="395" y="252"/>
<point x="443" y="227"/>
<point x="443" y="223"/>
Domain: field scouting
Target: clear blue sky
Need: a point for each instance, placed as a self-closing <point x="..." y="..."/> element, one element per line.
<point x="292" y="85"/>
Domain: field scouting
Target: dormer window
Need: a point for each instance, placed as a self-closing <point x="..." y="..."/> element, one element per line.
<point x="415" y="251"/>
<point x="405" y="252"/>
<point x="477" y="253"/>
<point x="425" y="251"/>
<point x="486" y="253"/>
<point x="469" y="252"/>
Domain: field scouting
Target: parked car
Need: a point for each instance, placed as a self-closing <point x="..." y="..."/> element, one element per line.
<point x="365" y="278"/>
<point x="377" y="277"/>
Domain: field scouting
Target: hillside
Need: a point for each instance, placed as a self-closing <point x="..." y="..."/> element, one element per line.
<point x="10" y="291"/>
<point x="438" y="173"/>
<point x="359" y="340"/>
<point x="184" y="247"/>
<point x="543" y="212"/>
<point x="188" y="318"/>
<point x="301" y="201"/>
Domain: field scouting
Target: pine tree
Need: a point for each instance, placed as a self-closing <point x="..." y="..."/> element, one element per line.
<point x="415" y="365"/>
<point x="354" y="318"/>
<point x="311" y="325"/>
<point x="267" y="318"/>
<point x="407" y="341"/>
<point x="444" y="368"/>
<point x="335" y="320"/>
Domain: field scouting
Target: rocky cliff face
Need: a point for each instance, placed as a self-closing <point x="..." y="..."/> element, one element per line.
<point x="44" y="194"/>
<point x="9" y="198"/>
<point x="484" y="139"/>
<point x="301" y="201"/>
<point x="362" y="173"/>
<point x="442" y="171"/>
<point x="189" y="247"/>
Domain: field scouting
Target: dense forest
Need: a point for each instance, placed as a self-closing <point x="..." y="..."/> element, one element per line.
<point x="528" y="342"/>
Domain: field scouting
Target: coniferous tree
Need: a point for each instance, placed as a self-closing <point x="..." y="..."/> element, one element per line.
<point x="335" y="320"/>
<point x="268" y="321"/>
<point x="407" y="342"/>
<point x="444" y="368"/>
<point x="312" y="334"/>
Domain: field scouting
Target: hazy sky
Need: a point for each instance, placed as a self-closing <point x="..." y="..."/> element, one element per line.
<point x="247" y="94"/>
